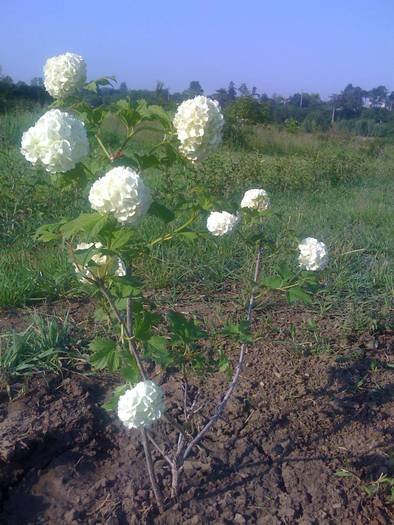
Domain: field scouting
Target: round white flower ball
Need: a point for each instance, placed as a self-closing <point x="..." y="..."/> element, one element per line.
<point x="313" y="255"/>
<point x="221" y="222"/>
<point x="198" y="123"/>
<point x="58" y="141"/>
<point x="64" y="74"/>
<point x="141" y="405"/>
<point x="100" y="260"/>
<point x="256" y="199"/>
<point x="123" y="193"/>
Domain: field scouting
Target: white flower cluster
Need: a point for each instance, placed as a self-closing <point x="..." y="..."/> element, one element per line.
<point x="198" y="123"/>
<point x="123" y="193"/>
<point x="141" y="405"/>
<point x="101" y="261"/>
<point x="256" y="199"/>
<point x="313" y="255"/>
<point x="221" y="222"/>
<point x="58" y="141"/>
<point x="64" y="74"/>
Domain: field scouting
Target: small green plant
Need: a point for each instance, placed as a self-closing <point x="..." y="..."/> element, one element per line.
<point x="43" y="347"/>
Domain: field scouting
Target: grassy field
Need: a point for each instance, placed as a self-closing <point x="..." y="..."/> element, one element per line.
<point x="333" y="188"/>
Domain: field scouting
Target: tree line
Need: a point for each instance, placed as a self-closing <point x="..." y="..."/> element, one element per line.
<point x="354" y="109"/>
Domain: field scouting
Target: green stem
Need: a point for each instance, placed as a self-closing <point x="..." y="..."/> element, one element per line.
<point x="108" y="155"/>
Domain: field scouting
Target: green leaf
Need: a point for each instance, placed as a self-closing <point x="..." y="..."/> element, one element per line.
<point x="104" y="81"/>
<point x="272" y="282"/>
<point x="89" y="223"/>
<point x="285" y="272"/>
<point x="77" y="175"/>
<point x="239" y="332"/>
<point x="184" y="330"/>
<point x="156" y="349"/>
<point x="48" y="232"/>
<point x="130" y="372"/>
<point x="343" y="473"/>
<point x="105" y="354"/>
<point x="127" y="286"/>
<point x="129" y="116"/>
<point x="144" y="321"/>
<point x="190" y="235"/>
<point x="298" y="294"/>
<point x="147" y="161"/>
<point x="155" y="113"/>
<point x="121" y="238"/>
<point x="112" y="403"/>
<point x="162" y="212"/>
<point x="128" y="160"/>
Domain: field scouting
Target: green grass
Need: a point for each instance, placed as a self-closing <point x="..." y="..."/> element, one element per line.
<point x="327" y="187"/>
<point x="43" y="347"/>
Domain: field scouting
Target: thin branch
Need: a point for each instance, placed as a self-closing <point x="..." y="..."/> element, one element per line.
<point x="238" y="369"/>
<point x="159" y="449"/>
<point x="108" y="155"/>
<point x="132" y="346"/>
<point x="152" y="477"/>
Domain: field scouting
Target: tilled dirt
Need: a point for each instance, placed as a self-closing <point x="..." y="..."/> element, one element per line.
<point x="294" y="426"/>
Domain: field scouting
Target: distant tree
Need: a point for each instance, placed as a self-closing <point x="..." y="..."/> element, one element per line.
<point x="378" y="96"/>
<point x="6" y="81"/>
<point x="352" y="101"/>
<point x="231" y="91"/>
<point x="243" y="90"/>
<point x="222" y="96"/>
<point x="247" y="109"/>
<point x="123" y="87"/>
<point x="194" y="89"/>
<point x="254" y="92"/>
<point x="37" y="82"/>
<point x="161" y="93"/>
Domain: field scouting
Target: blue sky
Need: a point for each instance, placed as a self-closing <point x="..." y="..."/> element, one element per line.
<point x="278" y="46"/>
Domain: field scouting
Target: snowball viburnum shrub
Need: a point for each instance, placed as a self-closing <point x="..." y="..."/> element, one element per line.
<point x="141" y="405"/>
<point x="256" y="199"/>
<point x="221" y="222"/>
<point x="58" y="141"/>
<point x="64" y="74"/>
<point x="198" y="123"/>
<point x="313" y="255"/>
<point x="123" y="193"/>
<point x="99" y="260"/>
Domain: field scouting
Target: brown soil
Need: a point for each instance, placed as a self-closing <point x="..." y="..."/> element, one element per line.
<point x="295" y="420"/>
